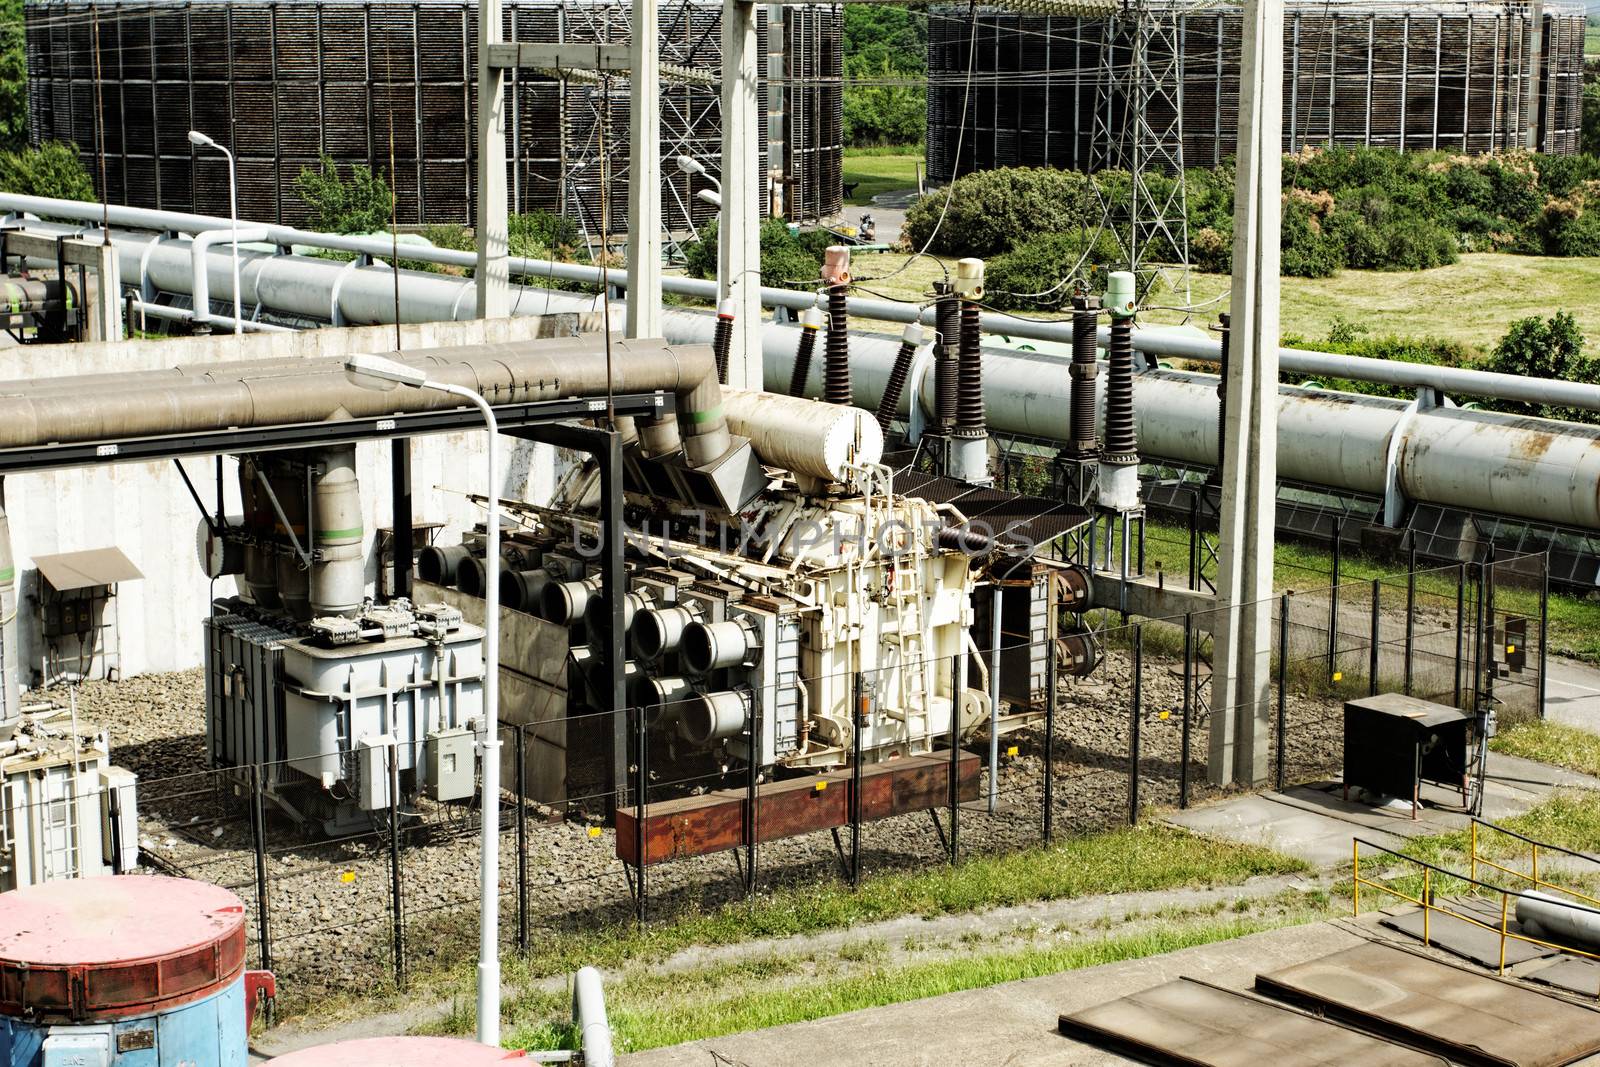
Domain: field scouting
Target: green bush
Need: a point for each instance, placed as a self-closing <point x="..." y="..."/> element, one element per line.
<point x="53" y="169"/>
<point x="1353" y="339"/>
<point x="1308" y="250"/>
<point x="536" y="234"/>
<point x="1038" y="272"/>
<point x="884" y="44"/>
<point x="786" y="259"/>
<point x="1550" y="349"/>
<point x="359" y="203"/>
<point x="13" y="78"/>
<point x="994" y="211"/>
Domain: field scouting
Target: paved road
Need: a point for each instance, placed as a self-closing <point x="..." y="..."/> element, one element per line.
<point x="1572" y="694"/>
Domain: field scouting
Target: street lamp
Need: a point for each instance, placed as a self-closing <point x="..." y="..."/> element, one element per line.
<point x="690" y="165"/>
<point x="200" y="140"/>
<point x="376" y="372"/>
<point x="710" y="196"/>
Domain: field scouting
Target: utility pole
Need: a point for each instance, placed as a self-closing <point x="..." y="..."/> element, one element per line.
<point x="644" y="173"/>
<point x="1534" y="51"/>
<point x="1242" y="662"/>
<point x="493" y="274"/>
<point x="739" y="229"/>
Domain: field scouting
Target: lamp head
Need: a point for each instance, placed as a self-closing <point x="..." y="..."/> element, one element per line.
<point x="200" y="140"/>
<point x="378" y="373"/>
<point x="710" y="196"/>
<point x="690" y="165"/>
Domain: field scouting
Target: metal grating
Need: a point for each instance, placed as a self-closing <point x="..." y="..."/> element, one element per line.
<point x="1438" y="75"/>
<point x="283" y="83"/>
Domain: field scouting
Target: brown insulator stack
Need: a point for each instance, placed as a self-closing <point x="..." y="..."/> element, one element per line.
<point x="810" y="324"/>
<point x="836" y="357"/>
<point x="889" y="406"/>
<point x="1121" y="445"/>
<point x="947" y="320"/>
<point x="722" y="339"/>
<point x="970" y="420"/>
<point x="1083" y="370"/>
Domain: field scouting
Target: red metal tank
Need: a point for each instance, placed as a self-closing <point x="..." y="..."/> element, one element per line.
<point x="106" y="948"/>
<point x="398" y="1052"/>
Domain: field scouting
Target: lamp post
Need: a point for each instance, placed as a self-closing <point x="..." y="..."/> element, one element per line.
<point x="200" y="140"/>
<point x="376" y="372"/>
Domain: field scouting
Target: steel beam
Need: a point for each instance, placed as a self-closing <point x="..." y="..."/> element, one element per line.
<point x="508" y="55"/>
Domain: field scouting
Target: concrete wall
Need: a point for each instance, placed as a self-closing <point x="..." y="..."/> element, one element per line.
<point x="144" y="509"/>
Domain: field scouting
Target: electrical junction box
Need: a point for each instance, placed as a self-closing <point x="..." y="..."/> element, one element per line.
<point x="374" y="754"/>
<point x="120" y="818"/>
<point x="86" y="1046"/>
<point x="450" y="766"/>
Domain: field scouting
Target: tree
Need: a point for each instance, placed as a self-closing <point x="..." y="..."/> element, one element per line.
<point x="888" y="46"/>
<point x="13" y="77"/>
<point x="53" y="169"/>
<point x="1547" y="349"/>
<point x="357" y="204"/>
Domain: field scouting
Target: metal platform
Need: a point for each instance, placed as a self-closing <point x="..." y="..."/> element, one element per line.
<point x="1462" y="938"/>
<point x="1194" y="1024"/>
<point x="1470" y="1018"/>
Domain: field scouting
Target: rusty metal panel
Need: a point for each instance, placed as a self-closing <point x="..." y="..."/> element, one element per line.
<point x="1472" y="1018"/>
<point x="1194" y="1024"/>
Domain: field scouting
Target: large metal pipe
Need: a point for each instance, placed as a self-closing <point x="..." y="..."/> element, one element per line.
<point x="1553" y="919"/>
<point x="1539" y="469"/>
<point x="430" y="291"/>
<point x="798" y="435"/>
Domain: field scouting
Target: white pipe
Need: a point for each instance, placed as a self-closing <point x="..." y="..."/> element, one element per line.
<point x="199" y="265"/>
<point x="1554" y="919"/>
<point x="1157" y="343"/>
<point x="589" y="1012"/>
<point x="172" y="314"/>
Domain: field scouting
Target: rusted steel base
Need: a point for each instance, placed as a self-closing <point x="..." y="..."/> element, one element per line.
<point x="714" y="822"/>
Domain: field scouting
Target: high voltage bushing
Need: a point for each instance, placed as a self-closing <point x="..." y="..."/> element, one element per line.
<point x="722" y="338"/>
<point x="947" y="320"/>
<point x="836" y="357"/>
<point x="1083" y="370"/>
<point x="810" y="322"/>
<point x="969" y="383"/>
<point x="889" y="406"/>
<point x="1225" y="323"/>
<point x="1119" y="459"/>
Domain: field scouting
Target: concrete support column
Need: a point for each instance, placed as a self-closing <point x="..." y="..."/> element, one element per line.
<point x="739" y="231"/>
<point x="105" y="313"/>
<point x="777" y="133"/>
<point x="1241" y="720"/>
<point x="644" y="173"/>
<point x="493" y="274"/>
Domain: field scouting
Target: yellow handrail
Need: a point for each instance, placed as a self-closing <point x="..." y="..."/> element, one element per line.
<point x="1428" y="904"/>
<point x="1532" y="877"/>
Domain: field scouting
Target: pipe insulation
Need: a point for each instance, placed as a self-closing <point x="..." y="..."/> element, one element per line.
<point x="817" y="440"/>
<point x="1157" y="344"/>
<point x="1540" y="469"/>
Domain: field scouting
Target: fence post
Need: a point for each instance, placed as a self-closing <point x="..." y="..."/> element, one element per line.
<point x="1133" y="737"/>
<point x="522" y="839"/>
<point x="1411" y="608"/>
<point x="1283" y="685"/>
<point x="1194" y="540"/>
<point x="1333" y="599"/>
<point x="1188" y="687"/>
<point x="752" y="798"/>
<point x="258" y="835"/>
<point x="1544" y="624"/>
<point x="1050" y="683"/>
<point x="1372" y="655"/>
<point x="641" y="747"/>
<point x="955" y="757"/>
<point x="397" y="914"/>
<point x="1461" y="627"/>
<point x="858" y="720"/>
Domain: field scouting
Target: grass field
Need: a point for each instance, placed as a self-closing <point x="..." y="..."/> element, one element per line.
<point x="1450" y="302"/>
<point x="874" y="171"/>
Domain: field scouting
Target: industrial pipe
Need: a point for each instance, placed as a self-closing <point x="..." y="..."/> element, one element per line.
<point x="658" y="632"/>
<point x="662" y="699"/>
<point x="521" y="590"/>
<point x="200" y="261"/>
<point x="438" y="564"/>
<point x="710" y="646"/>
<point x="589" y="1012"/>
<point x="1553" y="919"/>
<point x="597" y="611"/>
<point x="424" y="294"/>
<point x="822" y="442"/>
<point x="709" y="717"/>
<point x="563" y="603"/>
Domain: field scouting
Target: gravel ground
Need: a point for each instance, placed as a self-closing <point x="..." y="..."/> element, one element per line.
<point x="329" y="903"/>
